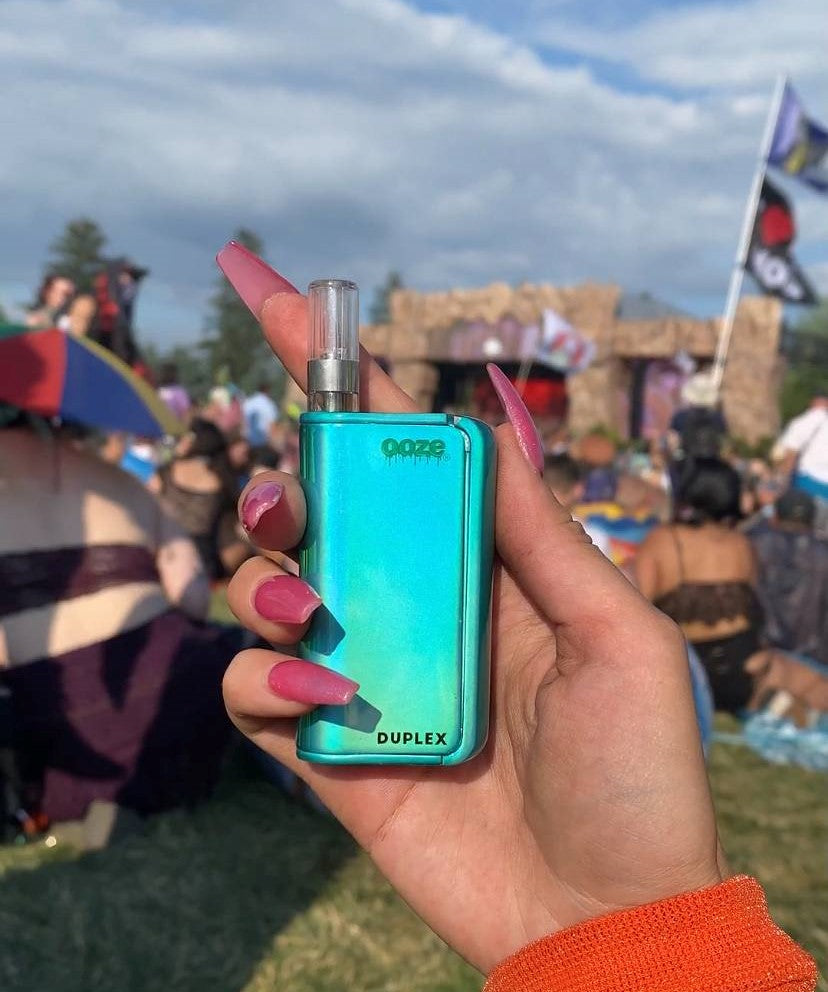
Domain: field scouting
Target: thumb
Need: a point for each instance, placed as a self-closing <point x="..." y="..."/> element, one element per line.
<point x="546" y="551"/>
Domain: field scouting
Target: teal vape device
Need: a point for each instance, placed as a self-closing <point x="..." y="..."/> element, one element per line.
<point x="399" y="546"/>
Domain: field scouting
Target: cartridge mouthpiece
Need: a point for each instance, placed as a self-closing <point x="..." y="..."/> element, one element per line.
<point x="333" y="345"/>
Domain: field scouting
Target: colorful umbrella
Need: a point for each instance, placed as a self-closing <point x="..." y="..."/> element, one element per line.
<point x="59" y="375"/>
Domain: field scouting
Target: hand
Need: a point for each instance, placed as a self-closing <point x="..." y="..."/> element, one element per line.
<point x="591" y="794"/>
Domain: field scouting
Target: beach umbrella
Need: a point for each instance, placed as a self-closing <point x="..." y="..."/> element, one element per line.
<point x="59" y="375"/>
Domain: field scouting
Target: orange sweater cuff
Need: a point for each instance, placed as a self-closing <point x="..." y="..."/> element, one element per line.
<point x="719" y="939"/>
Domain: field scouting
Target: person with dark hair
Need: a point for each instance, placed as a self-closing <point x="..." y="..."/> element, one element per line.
<point x="51" y="303"/>
<point x="199" y="488"/>
<point x="701" y="572"/>
<point x="792" y="577"/>
<point x="264" y="458"/>
<point x="173" y="393"/>
<point x="708" y="490"/>
<point x="698" y="430"/>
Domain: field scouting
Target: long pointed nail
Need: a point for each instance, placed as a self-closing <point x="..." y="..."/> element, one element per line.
<point x="519" y="417"/>
<point x="251" y="278"/>
<point x="306" y="682"/>
<point x="285" y="599"/>
<point x="258" y="501"/>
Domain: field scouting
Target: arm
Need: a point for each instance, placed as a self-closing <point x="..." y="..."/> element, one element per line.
<point x="646" y="565"/>
<point x="179" y="566"/>
<point x="673" y="945"/>
<point x="796" y="436"/>
<point x="80" y="315"/>
<point x="591" y="797"/>
<point x="231" y="543"/>
<point x="787" y="461"/>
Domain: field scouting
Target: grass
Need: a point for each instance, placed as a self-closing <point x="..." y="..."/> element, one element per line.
<point x="774" y="825"/>
<point x="253" y="893"/>
<point x="249" y="892"/>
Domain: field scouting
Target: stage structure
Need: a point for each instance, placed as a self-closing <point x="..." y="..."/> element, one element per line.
<point x="430" y="335"/>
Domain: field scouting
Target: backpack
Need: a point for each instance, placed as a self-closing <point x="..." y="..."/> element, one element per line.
<point x="112" y="324"/>
<point x="702" y="432"/>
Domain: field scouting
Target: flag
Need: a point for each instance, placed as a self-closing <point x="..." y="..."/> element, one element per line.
<point x="769" y="260"/>
<point x="561" y="346"/>
<point x="800" y="145"/>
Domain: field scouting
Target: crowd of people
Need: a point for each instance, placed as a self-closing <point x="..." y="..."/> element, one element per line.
<point x="733" y="549"/>
<point x="111" y="546"/>
<point x="729" y="548"/>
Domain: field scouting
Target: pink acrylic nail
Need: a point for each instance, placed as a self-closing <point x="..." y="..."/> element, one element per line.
<point x="519" y="417"/>
<point x="251" y="278"/>
<point x="285" y="599"/>
<point x="258" y="501"/>
<point x="307" y="682"/>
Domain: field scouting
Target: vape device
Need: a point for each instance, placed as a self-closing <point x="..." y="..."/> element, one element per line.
<point x="399" y="545"/>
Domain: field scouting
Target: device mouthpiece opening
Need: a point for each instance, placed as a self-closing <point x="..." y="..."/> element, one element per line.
<point x="333" y="345"/>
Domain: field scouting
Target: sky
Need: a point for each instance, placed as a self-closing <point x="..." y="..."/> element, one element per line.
<point x="457" y="142"/>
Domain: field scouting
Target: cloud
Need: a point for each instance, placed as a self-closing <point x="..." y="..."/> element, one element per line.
<point x="738" y="45"/>
<point x="363" y="135"/>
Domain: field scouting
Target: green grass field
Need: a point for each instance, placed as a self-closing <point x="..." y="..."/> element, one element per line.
<point x="252" y="893"/>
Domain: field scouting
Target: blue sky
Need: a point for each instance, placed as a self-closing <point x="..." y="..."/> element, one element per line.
<point x="461" y="143"/>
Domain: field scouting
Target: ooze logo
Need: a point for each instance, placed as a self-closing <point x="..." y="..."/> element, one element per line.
<point x="410" y="447"/>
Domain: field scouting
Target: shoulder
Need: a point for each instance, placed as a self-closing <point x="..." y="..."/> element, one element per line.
<point x="657" y="540"/>
<point x="662" y="534"/>
<point x="800" y="427"/>
<point x="113" y="480"/>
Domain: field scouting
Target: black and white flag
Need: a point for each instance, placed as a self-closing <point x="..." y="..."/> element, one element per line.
<point x="770" y="260"/>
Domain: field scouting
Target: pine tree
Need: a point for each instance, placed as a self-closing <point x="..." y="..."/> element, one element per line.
<point x="806" y="353"/>
<point x="77" y="253"/>
<point x="234" y="347"/>
<point x="815" y="322"/>
<point x="380" y="309"/>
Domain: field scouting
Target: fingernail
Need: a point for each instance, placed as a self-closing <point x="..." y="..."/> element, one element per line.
<point x="251" y="278"/>
<point x="307" y="682"/>
<point x="519" y="417"/>
<point x="258" y="501"/>
<point x="285" y="599"/>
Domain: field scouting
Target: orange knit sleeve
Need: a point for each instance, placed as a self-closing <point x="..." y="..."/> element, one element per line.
<point x="719" y="939"/>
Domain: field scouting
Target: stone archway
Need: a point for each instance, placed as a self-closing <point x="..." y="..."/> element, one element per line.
<point x="427" y="328"/>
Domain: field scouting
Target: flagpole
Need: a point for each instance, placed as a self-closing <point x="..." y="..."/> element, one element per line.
<point x="524" y="369"/>
<point x="738" y="274"/>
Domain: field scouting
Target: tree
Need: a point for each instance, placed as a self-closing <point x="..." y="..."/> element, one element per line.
<point x="815" y="321"/>
<point x="234" y="347"/>
<point x="77" y="253"/>
<point x="806" y="351"/>
<point x="380" y="309"/>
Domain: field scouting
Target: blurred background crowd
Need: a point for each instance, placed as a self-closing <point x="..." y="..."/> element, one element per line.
<point x="120" y="528"/>
<point x="459" y="155"/>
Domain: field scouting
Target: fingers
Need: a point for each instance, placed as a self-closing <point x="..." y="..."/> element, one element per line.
<point x="261" y="687"/>
<point x="284" y="320"/>
<point x="547" y="553"/>
<point x="272" y="510"/>
<point x="267" y="600"/>
<point x="283" y="314"/>
<point x="265" y="692"/>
